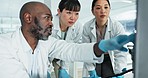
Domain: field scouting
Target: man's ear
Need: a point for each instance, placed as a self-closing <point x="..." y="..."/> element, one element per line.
<point x="27" y="18"/>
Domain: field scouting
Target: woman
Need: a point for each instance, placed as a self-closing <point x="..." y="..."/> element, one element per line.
<point x="103" y="27"/>
<point x="66" y="27"/>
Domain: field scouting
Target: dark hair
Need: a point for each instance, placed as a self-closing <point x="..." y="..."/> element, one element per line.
<point x="94" y="1"/>
<point x="72" y="5"/>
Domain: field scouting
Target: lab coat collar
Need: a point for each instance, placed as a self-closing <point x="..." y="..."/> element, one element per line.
<point x="56" y="26"/>
<point x="93" y="23"/>
<point x="18" y="38"/>
<point x="109" y="25"/>
<point x="18" y="47"/>
<point x="56" y="23"/>
<point x="25" y="46"/>
<point x="93" y="26"/>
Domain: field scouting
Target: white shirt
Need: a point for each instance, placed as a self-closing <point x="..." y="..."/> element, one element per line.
<point x="34" y="65"/>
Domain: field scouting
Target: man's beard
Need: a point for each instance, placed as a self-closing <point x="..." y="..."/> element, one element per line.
<point x="37" y="29"/>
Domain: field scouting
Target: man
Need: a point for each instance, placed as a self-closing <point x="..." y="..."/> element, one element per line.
<point x="24" y="53"/>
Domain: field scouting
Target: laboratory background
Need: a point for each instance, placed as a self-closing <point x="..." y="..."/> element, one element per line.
<point x="125" y="11"/>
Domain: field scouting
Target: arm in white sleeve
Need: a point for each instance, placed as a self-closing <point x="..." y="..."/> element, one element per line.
<point x="74" y="52"/>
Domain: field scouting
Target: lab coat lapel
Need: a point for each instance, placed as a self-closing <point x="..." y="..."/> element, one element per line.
<point x="59" y="33"/>
<point x="93" y="25"/>
<point x="94" y="32"/>
<point x="109" y="34"/>
<point x="56" y="26"/>
<point x="109" y="30"/>
<point x="22" y="56"/>
<point x="70" y="34"/>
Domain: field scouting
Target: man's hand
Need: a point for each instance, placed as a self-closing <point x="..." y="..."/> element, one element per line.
<point x="63" y="73"/>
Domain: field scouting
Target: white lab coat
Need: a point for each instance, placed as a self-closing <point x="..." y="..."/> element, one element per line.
<point x="74" y="35"/>
<point x="114" y="28"/>
<point x="14" y="60"/>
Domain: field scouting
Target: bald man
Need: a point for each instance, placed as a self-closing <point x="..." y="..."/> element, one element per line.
<point x="25" y="52"/>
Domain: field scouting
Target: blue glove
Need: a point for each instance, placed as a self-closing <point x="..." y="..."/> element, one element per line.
<point x="115" y="43"/>
<point x="63" y="73"/>
<point x="93" y="74"/>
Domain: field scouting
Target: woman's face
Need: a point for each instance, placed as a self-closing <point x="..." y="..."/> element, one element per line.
<point x="68" y="18"/>
<point x="101" y="10"/>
